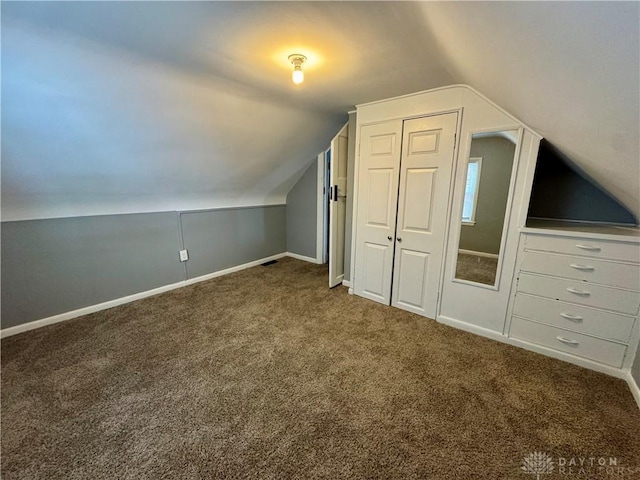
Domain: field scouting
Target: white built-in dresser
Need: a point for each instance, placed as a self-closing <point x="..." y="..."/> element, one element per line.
<point x="576" y="294"/>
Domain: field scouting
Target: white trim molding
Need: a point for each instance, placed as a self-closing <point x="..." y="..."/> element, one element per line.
<point x="321" y="225"/>
<point x="304" y="258"/>
<point x="25" y="327"/>
<point x="633" y="386"/>
<point x="453" y="87"/>
<point x="346" y="283"/>
<point x="468" y="327"/>
<point x="478" y="254"/>
<point x="471" y="221"/>
<point x="549" y="352"/>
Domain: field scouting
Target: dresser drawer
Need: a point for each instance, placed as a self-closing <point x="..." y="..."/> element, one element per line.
<point x="578" y="344"/>
<point x="582" y="293"/>
<point x="629" y="252"/>
<point x="576" y="318"/>
<point x="604" y="272"/>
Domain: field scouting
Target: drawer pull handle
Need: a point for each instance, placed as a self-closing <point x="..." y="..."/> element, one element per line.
<point x="584" y="268"/>
<point x="573" y="318"/>
<point x="582" y="293"/>
<point x="591" y="248"/>
<point x="568" y="341"/>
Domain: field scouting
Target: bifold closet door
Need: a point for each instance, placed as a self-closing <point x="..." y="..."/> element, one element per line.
<point x="378" y="174"/>
<point x="425" y="178"/>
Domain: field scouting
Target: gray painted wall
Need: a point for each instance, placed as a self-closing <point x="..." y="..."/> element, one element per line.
<point x="302" y="213"/>
<point x="348" y="230"/>
<point x="561" y="190"/>
<point x="220" y="239"/>
<point x="497" y="161"/>
<point x="58" y="265"/>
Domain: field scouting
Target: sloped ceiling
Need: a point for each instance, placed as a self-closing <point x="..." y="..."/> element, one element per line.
<point x="116" y="107"/>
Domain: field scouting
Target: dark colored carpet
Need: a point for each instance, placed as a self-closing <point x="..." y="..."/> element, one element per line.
<point x="268" y="374"/>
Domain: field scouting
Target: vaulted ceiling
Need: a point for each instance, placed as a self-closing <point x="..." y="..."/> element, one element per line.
<point x="116" y="107"/>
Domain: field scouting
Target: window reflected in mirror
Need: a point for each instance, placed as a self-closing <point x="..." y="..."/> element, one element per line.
<point x="471" y="191"/>
<point x="488" y="177"/>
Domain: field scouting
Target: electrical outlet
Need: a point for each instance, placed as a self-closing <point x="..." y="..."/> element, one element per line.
<point x="184" y="255"/>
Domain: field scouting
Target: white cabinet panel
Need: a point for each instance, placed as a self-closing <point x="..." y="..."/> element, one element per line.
<point x="572" y="291"/>
<point x="382" y="145"/>
<point x="577" y="344"/>
<point x="578" y="294"/>
<point x="419" y="185"/>
<point x="607" y="325"/>
<point x="421" y="142"/>
<point x="412" y="273"/>
<point x="376" y="263"/>
<point x="590" y="247"/>
<point x="381" y="203"/>
<point x="592" y="270"/>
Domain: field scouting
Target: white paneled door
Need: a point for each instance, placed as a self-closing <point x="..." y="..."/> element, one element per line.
<point x="378" y="174"/>
<point x="425" y="178"/>
<point x="338" y="205"/>
<point x="404" y="178"/>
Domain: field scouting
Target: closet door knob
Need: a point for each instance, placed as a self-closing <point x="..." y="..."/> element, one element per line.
<point x="399" y="239"/>
<point x="389" y="238"/>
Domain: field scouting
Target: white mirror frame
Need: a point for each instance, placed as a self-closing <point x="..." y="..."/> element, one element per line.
<point x="457" y="214"/>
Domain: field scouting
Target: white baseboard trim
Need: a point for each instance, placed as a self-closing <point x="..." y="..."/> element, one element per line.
<point x="229" y="270"/>
<point x="25" y="327"/>
<point x="478" y="254"/>
<point x="493" y="335"/>
<point x="633" y="386"/>
<point x="303" y="258"/>
<point x="346" y="283"/>
<point x="468" y="327"/>
<point x="566" y="357"/>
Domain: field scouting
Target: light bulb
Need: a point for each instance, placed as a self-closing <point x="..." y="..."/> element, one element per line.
<point x="298" y="76"/>
<point x="297" y="60"/>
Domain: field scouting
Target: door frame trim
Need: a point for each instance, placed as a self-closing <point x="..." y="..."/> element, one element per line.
<point x="321" y="211"/>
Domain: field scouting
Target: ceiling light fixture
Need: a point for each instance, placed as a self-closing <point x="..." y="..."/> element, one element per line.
<point x="297" y="60"/>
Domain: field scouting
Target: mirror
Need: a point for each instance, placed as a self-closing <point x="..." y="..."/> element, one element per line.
<point x="486" y="193"/>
